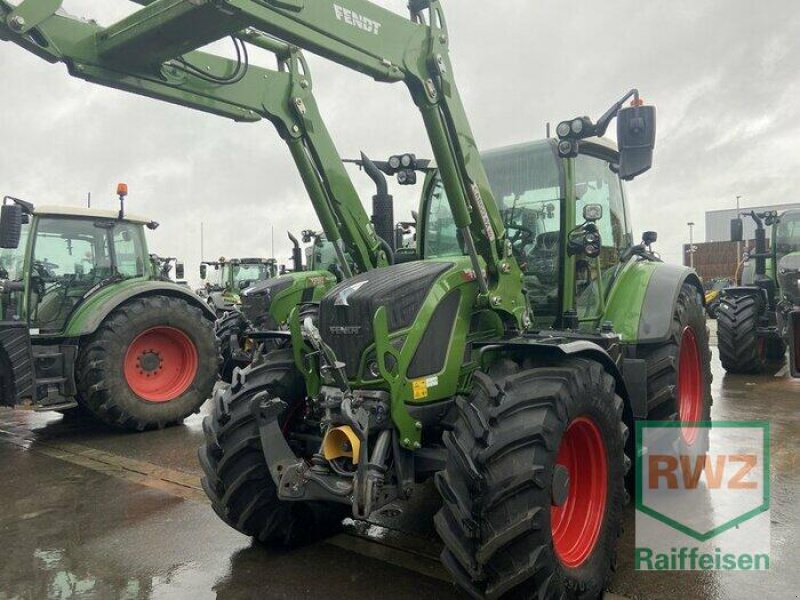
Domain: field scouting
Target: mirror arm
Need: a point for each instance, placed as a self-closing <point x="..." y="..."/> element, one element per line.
<point x="603" y="122"/>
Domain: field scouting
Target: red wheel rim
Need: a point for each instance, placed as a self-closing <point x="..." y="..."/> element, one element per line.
<point x="160" y="364"/>
<point x="690" y="384"/>
<point x="576" y="523"/>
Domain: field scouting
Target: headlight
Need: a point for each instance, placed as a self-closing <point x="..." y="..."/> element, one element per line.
<point x="563" y="129"/>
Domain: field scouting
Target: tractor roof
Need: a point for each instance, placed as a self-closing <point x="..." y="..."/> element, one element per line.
<point x="96" y="213"/>
<point x="595" y="146"/>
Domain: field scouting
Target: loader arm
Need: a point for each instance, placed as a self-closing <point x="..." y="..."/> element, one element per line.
<point x="147" y="53"/>
<point x="286" y="100"/>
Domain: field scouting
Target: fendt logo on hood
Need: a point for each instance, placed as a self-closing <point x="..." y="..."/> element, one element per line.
<point x="345" y="330"/>
<point x="356" y="20"/>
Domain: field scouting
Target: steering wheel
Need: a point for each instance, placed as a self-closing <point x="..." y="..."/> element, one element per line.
<point x="522" y="236"/>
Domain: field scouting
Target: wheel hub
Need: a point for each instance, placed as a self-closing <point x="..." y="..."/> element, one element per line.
<point x="150" y="361"/>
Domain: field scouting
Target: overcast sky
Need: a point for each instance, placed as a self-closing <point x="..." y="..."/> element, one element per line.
<point x="724" y="75"/>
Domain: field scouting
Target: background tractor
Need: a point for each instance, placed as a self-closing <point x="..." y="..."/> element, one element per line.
<point x="508" y="363"/>
<point x="757" y="320"/>
<point x="90" y="320"/>
<point x="230" y="277"/>
<point x="265" y="307"/>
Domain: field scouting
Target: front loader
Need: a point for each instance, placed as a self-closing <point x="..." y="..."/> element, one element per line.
<point x="758" y="320"/>
<point x="509" y="363"/>
<point x="91" y="320"/>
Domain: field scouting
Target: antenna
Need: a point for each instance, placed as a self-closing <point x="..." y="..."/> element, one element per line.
<point x="88" y="199"/>
<point x="202" y="254"/>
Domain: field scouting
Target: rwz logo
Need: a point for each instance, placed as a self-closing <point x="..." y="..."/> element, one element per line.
<point x="356" y="20"/>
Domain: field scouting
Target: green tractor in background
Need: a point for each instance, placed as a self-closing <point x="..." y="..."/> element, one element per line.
<point x="230" y="277"/>
<point x="265" y="307"/>
<point x="91" y="320"/>
<point x="759" y="319"/>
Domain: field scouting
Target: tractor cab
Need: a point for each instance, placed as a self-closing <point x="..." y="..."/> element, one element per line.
<point x="786" y="240"/>
<point x="66" y="254"/>
<point x="529" y="183"/>
<point x="231" y="276"/>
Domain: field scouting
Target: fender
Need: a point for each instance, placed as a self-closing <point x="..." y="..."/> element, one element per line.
<point x="532" y="346"/>
<point x="643" y="297"/>
<point x="90" y="314"/>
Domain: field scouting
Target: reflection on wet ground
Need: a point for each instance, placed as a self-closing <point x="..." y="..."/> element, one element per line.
<point x="90" y="513"/>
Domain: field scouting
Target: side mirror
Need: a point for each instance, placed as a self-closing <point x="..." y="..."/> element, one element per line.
<point x="179" y="270"/>
<point x="10" y="225"/>
<point x="592" y="212"/>
<point x="737" y="230"/>
<point x="649" y="238"/>
<point x="636" y="137"/>
<point x="203" y="271"/>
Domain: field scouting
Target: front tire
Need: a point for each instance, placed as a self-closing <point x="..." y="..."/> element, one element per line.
<point x="740" y="348"/>
<point x="236" y="476"/>
<point x="151" y="363"/>
<point x="528" y="454"/>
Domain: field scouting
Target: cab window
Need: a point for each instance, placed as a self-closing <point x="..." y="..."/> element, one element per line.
<point x="129" y="250"/>
<point x="597" y="184"/>
<point x="441" y="234"/>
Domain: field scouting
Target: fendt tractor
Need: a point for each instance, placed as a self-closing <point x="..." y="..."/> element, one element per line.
<point x="91" y="320"/>
<point x="508" y="363"/>
<point x="230" y="277"/>
<point x="758" y="319"/>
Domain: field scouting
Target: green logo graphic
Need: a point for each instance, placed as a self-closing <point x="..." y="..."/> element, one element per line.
<point x="689" y="455"/>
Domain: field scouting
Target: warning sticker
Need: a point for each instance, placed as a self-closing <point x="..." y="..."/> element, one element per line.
<point x="420" y="387"/>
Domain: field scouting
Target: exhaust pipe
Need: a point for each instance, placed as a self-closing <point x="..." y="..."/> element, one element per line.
<point x="297" y="254"/>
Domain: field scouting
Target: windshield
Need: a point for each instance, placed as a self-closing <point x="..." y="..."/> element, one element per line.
<point x="526" y="181"/>
<point x="250" y="273"/>
<point x="787" y="237"/>
<point x="71" y="256"/>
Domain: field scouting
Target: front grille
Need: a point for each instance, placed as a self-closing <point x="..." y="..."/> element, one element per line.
<point x="346" y="312"/>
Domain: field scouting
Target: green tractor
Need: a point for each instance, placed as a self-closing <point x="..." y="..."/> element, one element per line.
<point x="90" y="320"/>
<point x="231" y="276"/>
<point x="509" y="363"/>
<point x="758" y="320"/>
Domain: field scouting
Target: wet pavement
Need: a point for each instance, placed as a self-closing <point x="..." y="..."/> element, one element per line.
<point x="86" y="512"/>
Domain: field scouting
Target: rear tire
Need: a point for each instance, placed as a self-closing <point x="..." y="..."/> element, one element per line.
<point x="670" y="396"/>
<point x="236" y="476"/>
<point x="502" y="535"/>
<point x="740" y="348"/>
<point x="151" y="363"/>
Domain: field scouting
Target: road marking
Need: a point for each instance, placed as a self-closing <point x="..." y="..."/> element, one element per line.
<point x="177" y="483"/>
